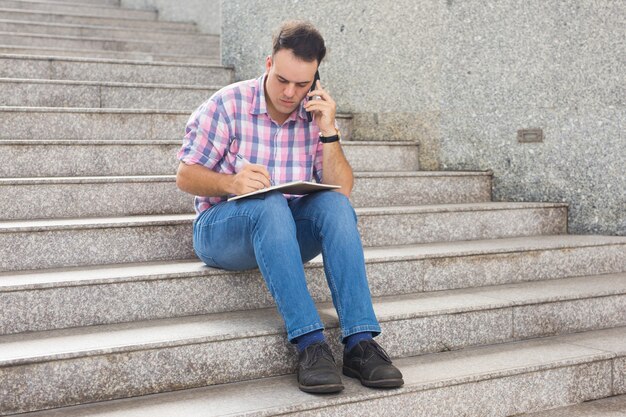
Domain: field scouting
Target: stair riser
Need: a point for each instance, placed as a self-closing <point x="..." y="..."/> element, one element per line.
<point x="119" y="375"/>
<point x="527" y="392"/>
<point x="118" y="126"/>
<point x="59" y="69"/>
<point x="104" y="125"/>
<point x="170" y="296"/>
<point x="135" y="198"/>
<point x="85" y="159"/>
<point x="95" y="96"/>
<point x="133" y="56"/>
<point x="81" y="159"/>
<point x="97" y="20"/>
<point x="208" y="48"/>
<point x="106" y="32"/>
<point x="50" y="249"/>
<point x="66" y="247"/>
<point x="85" y="10"/>
<point x="569" y="316"/>
<point x="405" y="229"/>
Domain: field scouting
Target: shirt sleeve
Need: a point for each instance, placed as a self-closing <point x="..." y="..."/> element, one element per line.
<point x="206" y="136"/>
<point x="318" y="162"/>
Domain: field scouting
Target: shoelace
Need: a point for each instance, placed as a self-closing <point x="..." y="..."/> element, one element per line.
<point x="319" y="350"/>
<point x="374" y="349"/>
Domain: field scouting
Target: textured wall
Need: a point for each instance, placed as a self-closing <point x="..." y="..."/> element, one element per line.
<point x="462" y="77"/>
<point x="206" y="13"/>
<point x="556" y="65"/>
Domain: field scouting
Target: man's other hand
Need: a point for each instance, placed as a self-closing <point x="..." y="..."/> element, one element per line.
<point x="324" y="110"/>
<point x="252" y="177"/>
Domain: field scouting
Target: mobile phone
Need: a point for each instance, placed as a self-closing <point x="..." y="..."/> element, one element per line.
<point x="313" y="87"/>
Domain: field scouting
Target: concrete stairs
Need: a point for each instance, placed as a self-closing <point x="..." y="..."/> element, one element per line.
<point x="489" y="308"/>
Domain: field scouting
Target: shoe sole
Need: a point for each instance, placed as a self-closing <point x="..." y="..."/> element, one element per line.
<point x="381" y="383"/>
<point x="321" y="389"/>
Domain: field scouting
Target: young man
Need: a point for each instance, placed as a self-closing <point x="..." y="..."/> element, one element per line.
<point x="251" y="135"/>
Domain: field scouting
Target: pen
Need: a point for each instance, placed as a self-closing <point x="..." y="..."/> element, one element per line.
<point x="246" y="162"/>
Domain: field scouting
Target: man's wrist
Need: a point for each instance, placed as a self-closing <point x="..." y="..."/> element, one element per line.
<point x="330" y="137"/>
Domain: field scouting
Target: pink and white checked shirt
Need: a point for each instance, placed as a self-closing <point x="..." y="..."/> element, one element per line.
<point x="234" y="121"/>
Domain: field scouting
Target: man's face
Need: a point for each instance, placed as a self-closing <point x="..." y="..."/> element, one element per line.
<point x="288" y="81"/>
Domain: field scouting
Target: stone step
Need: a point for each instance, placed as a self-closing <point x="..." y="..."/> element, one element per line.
<point x="95" y="31"/>
<point x="94" y="2"/>
<point x="85" y="19"/>
<point x="209" y="47"/>
<point x="605" y="407"/>
<point x="36" y="244"/>
<point x="85" y="69"/>
<point x="112" y="124"/>
<point x="111" y="293"/>
<point x="501" y="380"/>
<point x="38" y="198"/>
<point x="99" y="94"/>
<point x="78" y="9"/>
<point x="197" y="351"/>
<point x="95" y="53"/>
<point x="59" y="158"/>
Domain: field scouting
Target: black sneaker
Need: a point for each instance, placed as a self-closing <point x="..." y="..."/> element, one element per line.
<point x="317" y="370"/>
<point x="368" y="362"/>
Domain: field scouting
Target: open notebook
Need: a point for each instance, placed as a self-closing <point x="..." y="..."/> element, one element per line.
<point x="295" y="187"/>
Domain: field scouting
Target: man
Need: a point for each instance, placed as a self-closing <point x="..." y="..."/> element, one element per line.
<point x="251" y="135"/>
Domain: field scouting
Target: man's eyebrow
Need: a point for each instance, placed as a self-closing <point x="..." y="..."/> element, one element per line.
<point x="297" y="82"/>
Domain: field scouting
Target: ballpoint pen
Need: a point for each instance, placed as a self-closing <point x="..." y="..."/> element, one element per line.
<point x="244" y="161"/>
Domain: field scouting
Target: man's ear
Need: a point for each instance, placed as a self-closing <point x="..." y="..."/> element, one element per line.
<point x="268" y="63"/>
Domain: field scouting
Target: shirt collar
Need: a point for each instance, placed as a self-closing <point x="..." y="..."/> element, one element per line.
<point x="259" y="105"/>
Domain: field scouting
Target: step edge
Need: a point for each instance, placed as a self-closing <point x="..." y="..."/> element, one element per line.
<point x="205" y="271"/>
<point x="276" y="327"/>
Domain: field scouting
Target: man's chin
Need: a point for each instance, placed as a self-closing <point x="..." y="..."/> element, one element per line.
<point x="287" y="110"/>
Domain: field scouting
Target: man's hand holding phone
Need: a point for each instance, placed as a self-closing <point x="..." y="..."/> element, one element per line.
<point x="323" y="109"/>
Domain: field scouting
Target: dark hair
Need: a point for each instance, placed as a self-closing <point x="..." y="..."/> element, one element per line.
<point x="302" y="38"/>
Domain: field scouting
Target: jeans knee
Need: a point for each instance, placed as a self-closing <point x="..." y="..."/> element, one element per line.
<point x="272" y="211"/>
<point x="335" y="206"/>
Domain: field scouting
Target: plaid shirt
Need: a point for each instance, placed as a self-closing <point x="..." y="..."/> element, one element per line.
<point x="234" y="121"/>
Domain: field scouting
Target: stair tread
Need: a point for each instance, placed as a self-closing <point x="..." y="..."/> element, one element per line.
<point x="110" y="61"/>
<point x="108" y="84"/>
<point x="14" y="281"/>
<point x="111" y="27"/>
<point x="64" y="3"/>
<point x="79" y="13"/>
<point x="170" y="178"/>
<point x="177" y="27"/>
<point x="121" y="55"/>
<point x="140" y="335"/>
<point x="178" y="142"/>
<point x="276" y="395"/>
<point x="143" y="220"/>
<point x="99" y="110"/>
<point x="93" y="38"/>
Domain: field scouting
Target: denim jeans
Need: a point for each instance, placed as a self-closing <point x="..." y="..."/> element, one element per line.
<point x="277" y="236"/>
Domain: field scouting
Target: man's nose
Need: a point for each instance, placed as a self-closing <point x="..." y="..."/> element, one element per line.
<point x="290" y="90"/>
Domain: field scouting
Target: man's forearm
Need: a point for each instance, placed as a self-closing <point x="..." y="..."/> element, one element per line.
<point x="336" y="169"/>
<point x="201" y="181"/>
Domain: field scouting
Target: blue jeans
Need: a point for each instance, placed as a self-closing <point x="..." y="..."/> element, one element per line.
<point x="278" y="236"/>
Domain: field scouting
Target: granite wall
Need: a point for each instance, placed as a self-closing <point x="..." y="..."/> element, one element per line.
<point x="461" y="77"/>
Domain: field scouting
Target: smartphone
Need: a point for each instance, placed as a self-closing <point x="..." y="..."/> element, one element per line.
<point x="309" y="116"/>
